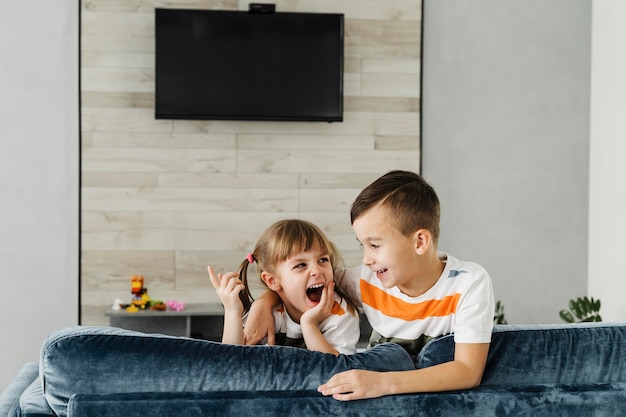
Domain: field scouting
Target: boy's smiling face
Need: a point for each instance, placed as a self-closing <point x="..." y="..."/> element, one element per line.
<point x="396" y="259"/>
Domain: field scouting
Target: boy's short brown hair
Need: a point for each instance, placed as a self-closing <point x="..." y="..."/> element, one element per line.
<point x="411" y="201"/>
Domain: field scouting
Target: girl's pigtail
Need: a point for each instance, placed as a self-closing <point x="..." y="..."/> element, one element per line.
<point x="245" y="295"/>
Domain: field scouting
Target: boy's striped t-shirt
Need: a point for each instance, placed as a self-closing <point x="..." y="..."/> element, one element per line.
<point x="460" y="302"/>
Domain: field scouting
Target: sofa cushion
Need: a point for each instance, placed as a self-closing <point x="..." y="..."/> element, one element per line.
<point x="598" y="400"/>
<point x="105" y="360"/>
<point x="584" y="353"/>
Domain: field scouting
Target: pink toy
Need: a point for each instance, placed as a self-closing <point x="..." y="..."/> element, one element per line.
<point x="176" y="305"/>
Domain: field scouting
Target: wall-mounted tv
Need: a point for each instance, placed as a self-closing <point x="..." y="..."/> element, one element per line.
<point x="238" y="65"/>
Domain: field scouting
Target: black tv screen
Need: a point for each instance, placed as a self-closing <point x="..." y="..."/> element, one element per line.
<point x="237" y="65"/>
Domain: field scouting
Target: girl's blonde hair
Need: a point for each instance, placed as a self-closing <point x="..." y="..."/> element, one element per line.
<point x="282" y="240"/>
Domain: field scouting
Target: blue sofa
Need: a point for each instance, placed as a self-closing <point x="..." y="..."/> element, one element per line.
<point x="532" y="370"/>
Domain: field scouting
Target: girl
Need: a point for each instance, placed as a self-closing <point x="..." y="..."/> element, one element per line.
<point x="297" y="262"/>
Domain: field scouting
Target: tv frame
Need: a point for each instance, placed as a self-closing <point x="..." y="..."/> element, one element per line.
<point x="335" y="109"/>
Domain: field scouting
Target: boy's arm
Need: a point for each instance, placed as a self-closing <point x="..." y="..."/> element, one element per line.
<point x="464" y="372"/>
<point x="260" y="320"/>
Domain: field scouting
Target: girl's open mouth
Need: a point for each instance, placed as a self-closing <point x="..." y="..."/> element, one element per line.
<point x="314" y="292"/>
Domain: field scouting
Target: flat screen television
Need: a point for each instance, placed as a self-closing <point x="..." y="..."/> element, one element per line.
<point x="238" y="65"/>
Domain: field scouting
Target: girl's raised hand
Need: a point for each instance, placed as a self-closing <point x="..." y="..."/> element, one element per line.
<point x="322" y="310"/>
<point x="228" y="286"/>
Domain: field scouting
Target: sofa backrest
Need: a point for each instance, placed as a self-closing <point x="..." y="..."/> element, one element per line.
<point x="545" y="354"/>
<point x="106" y="360"/>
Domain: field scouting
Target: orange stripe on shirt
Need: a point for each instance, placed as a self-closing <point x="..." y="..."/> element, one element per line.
<point x="337" y="309"/>
<point x="394" y="307"/>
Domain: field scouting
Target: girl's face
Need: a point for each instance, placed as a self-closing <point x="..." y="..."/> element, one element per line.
<point x="299" y="280"/>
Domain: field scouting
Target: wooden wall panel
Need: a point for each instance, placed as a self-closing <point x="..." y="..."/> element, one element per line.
<point x="164" y="198"/>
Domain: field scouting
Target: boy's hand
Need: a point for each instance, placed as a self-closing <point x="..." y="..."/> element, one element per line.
<point x="464" y="372"/>
<point x="228" y="287"/>
<point x="322" y="310"/>
<point x="260" y="320"/>
<point x="355" y="384"/>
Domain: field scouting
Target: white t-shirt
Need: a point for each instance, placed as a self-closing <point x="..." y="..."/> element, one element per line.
<point x="341" y="329"/>
<point x="460" y="302"/>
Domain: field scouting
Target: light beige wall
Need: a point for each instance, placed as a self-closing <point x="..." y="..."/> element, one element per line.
<point x="164" y="198"/>
<point x="607" y="224"/>
<point x="38" y="177"/>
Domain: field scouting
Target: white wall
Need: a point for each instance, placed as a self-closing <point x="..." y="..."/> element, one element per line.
<point x="607" y="214"/>
<point x="505" y="143"/>
<point x="38" y="176"/>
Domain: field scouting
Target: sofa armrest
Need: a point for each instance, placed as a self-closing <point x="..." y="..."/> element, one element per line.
<point x="10" y="397"/>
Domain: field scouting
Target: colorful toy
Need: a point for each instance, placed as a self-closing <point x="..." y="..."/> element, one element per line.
<point x="141" y="299"/>
<point x="157" y="305"/>
<point x="176" y="305"/>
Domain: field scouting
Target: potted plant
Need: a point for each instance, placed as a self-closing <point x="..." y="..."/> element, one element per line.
<point x="582" y="309"/>
<point x="498" y="317"/>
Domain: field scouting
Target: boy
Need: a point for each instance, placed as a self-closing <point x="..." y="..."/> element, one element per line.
<point x="410" y="293"/>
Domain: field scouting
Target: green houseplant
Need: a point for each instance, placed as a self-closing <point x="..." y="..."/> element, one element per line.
<point x="582" y="309"/>
<point x="498" y="317"/>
